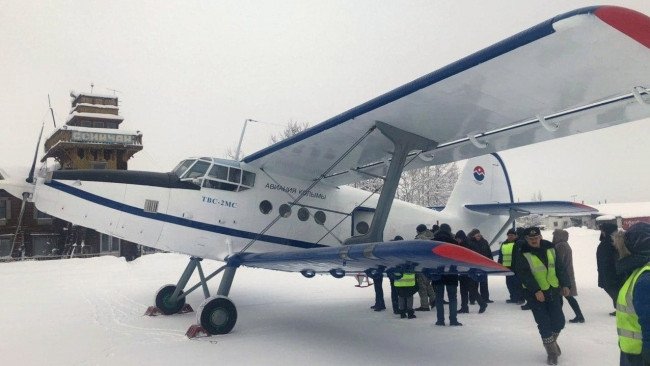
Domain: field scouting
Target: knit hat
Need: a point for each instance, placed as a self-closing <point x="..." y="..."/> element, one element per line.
<point x="512" y="231"/>
<point x="420" y="228"/>
<point x="637" y="239"/>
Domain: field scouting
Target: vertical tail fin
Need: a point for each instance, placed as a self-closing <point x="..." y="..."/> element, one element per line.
<point x="483" y="180"/>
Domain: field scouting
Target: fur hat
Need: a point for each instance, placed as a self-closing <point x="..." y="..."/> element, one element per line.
<point x="637" y="239"/>
<point x="445" y="227"/>
<point x="512" y="231"/>
<point x="608" y="228"/>
<point x="420" y="228"/>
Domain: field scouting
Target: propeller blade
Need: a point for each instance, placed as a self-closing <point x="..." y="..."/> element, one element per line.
<point x="30" y="177"/>
<point x="20" y="221"/>
<point x="51" y="110"/>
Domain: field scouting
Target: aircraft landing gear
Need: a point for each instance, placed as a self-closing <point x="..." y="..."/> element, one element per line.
<point x="217" y="314"/>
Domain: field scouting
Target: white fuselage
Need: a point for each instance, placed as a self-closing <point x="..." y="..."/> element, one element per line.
<point x="212" y="223"/>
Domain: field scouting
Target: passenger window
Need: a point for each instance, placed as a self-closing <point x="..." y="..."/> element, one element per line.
<point x="219" y="172"/>
<point x="362" y="227"/>
<point x="320" y="217"/>
<point x="285" y="210"/>
<point x="234" y="175"/>
<point x="197" y="170"/>
<point x="265" y="207"/>
<point x="303" y="214"/>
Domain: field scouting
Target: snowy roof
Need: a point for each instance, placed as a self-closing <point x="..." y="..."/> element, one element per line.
<point x="625" y="210"/>
<point x="116" y="117"/>
<point x="92" y="95"/>
<point x="107" y="106"/>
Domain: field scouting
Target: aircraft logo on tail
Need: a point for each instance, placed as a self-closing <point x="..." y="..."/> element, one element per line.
<point x="479" y="173"/>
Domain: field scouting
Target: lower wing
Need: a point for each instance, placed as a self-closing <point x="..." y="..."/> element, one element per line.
<point x="429" y="257"/>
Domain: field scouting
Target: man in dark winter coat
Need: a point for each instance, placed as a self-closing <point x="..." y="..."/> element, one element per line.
<point x="633" y="301"/>
<point x="545" y="283"/>
<point x="468" y="287"/>
<point x="478" y="244"/>
<point x="606" y="257"/>
<point x="450" y="282"/>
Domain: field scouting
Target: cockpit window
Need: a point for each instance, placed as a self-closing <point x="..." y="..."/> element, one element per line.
<point x="182" y="167"/>
<point x="234" y="175"/>
<point x="219" y="172"/>
<point x="197" y="170"/>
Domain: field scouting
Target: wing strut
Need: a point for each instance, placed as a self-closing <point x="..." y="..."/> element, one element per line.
<point x="313" y="184"/>
<point x="514" y="214"/>
<point x="404" y="142"/>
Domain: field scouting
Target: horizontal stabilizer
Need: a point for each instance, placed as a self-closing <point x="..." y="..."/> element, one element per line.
<point x="426" y="255"/>
<point x="539" y="208"/>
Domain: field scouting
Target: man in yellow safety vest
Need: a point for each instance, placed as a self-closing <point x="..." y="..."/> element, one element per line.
<point x="505" y="258"/>
<point x="633" y="301"/>
<point x="545" y="284"/>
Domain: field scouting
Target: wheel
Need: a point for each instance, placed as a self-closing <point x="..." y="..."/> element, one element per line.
<point x="164" y="303"/>
<point x="373" y="273"/>
<point x="217" y="315"/>
<point x="337" y="273"/>
<point x="309" y="273"/>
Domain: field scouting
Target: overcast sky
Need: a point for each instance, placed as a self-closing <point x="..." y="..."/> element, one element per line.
<point x="190" y="72"/>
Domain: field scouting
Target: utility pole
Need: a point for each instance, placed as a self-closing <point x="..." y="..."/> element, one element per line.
<point x="241" y="138"/>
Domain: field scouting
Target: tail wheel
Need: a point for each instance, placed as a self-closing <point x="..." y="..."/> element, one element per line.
<point x="164" y="302"/>
<point x="217" y="315"/>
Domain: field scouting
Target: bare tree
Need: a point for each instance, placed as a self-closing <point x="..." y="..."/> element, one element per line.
<point x="292" y="128"/>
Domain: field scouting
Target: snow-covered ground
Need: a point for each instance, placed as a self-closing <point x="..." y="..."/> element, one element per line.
<point x="90" y="312"/>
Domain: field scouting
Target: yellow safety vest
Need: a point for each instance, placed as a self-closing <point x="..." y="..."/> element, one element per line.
<point x="627" y="322"/>
<point x="545" y="277"/>
<point x="506" y="253"/>
<point x="407" y="280"/>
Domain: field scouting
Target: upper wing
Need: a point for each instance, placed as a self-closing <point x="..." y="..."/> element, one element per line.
<point x="425" y="254"/>
<point x="539" y="208"/>
<point x="577" y="72"/>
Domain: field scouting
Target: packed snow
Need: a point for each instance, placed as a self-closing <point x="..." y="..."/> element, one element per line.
<point x="90" y="312"/>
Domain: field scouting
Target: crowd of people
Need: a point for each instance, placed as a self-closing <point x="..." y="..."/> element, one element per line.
<point x="543" y="278"/>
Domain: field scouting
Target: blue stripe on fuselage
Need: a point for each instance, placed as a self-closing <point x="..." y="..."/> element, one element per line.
<point x="178" y="220"/>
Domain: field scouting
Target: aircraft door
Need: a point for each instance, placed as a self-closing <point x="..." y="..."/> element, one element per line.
<point x="361" y="220"/>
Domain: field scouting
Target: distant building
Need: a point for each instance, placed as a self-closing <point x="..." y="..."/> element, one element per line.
<point x="623" y="214"/>
<point x="90" y="139"/>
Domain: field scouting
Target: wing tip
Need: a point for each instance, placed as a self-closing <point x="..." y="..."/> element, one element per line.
<point x="632" y="23"/>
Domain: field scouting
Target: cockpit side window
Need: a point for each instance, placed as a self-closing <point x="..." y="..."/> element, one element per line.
<point x="182" y="167"/>
<point x="197" y="170"/>
<point x="234" y="175"/>
<point x="248" y="178"/>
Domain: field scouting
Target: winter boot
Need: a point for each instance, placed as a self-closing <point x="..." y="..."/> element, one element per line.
<point x="577" y="319"/>
<point x="551" y="350"/>
<point x="402" y="314"/>
<point x="410" y="314"/>
<point x="555" y="337"/>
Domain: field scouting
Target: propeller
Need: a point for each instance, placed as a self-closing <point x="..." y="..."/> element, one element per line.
<point x="27" y="195"/>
